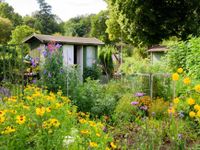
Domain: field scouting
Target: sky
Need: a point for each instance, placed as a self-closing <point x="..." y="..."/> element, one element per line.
<point x="65" y="9"/>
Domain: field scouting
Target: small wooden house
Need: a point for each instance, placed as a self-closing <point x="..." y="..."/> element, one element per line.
<point x="76" y="50"/>
<point x="157" y="52"/>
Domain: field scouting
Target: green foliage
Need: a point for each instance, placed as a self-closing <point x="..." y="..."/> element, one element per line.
<point x="46" y="22"/>
<point x="93" y="72"/>
<point x="7" y="11"/>
<point x="158" y="108"/>
<point x="105" y="58"/>
<point x="98" y="26"/>
<point x="54" y="75"/>
<point x="20" y="33"/>
<point x="5" y="30"/>
<point x="124" y="111"/>
<point x="185" y="55"/>
<point x="147" y="23"/>
<point x="78" y="26"/>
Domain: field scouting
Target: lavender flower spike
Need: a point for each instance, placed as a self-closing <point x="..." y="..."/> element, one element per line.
<point x="139" y="94"/>
<point x="134" y="103"/>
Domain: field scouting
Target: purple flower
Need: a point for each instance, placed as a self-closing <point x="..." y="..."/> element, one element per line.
<point x="39" y="49"/>
<point x="49" y="75"/>
<point x="33" y="63"/>
<point x="45" y="71"/>
<point x="34" y="81"/>
<point x="181" y="114"/>
<point x="139" y="94"/>
<point x="44" y="53"/>
<point x="143" y="107"/>
<point x="58" y="46"/>
<point x="179" y="136"/>
<point x="134" y="103"/>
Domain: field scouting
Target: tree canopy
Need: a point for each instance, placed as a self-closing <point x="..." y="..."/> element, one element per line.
<point x="7" y="11"/>
<point x="44" y="20"/>
<point x="5" y="30"/>
<point x="147" y="22"/>
<point x="78" y="26"/>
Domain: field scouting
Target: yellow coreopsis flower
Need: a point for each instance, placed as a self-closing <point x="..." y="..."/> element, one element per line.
<point x="113" y="145"/>
<point x="8" y="130"/>
<point x="176" y="100"/>
<point x="84" y="132"/>
<point x="107" y="148"/>
<point x="197" y="107"/>
<point x="2" y="113"/>
<point x="82" y="121"/>
<point x="175" y="76"/>
<point x="192" y="114"/>
<point x="198" y="113"/>
<point x="48" y="109"/>
<point x="197" y="88"/>
<point x="171" y="110"/>
<point x="93" y="144"/>
<point x="40" y="111"/>
<point x="54" y="122"/>
<point x="2" y="119"/>
<point x="191" y="101"/>
<point x="98" y="135"/>
<point x="180" y="70"/>
<point x="186" y="81"/>
<point x="20" y="119"/>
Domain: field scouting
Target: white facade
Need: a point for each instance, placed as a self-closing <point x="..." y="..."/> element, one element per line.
<point x="68" y="55"/>
<point x="90" y="57"/>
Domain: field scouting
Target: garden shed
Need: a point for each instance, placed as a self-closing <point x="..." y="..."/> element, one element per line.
<point x="76" y="50"/>
<point x="157" y="52"/>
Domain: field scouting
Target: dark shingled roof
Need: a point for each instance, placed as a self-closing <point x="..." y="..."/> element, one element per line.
<point x="63" y="39"/>
<point x="158" y="48"/>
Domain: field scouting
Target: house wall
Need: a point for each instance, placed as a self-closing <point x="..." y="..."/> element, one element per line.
<point x="68" y="54"/>
<point x="156" y="56"/>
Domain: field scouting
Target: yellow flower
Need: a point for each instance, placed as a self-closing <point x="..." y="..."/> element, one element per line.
<point x="26" y="107"/>
<point x="20" y="119"/>
<point x="92" y="123"/>
<point x="84" y="132"/>
<point x="54" y="122"/>
<point x="176" y="100"/>
<point x="93" y="144"/>
<point x="180" y="70"/>
<point x="82" y="121"/>
<point x="48" y="109"/>
<point x="29" y="98"/>
<point x="98" y="135"/>
<point x="107" y="148"/>
<point x="186" y="81"/>
<point x="59" y="93"/>
<point x="198" y="113"/>
<point x="197" y="88"/>
<point x="58" y="105"/>
<point x="192" y="114"/>
<point x="197" y="107"/>
<point x="171" y="110"/>
<point x="8" y="130"/>
<point x="2" y="113"/>
<point x="40" y="111"/>
<point x="175" y="76"/>
<point x="191" y="101"/>
<point x="2" y="119"/>
<point x="113" y="145"/>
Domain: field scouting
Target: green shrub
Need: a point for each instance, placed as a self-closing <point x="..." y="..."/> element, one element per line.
<point x="93" y="72"/>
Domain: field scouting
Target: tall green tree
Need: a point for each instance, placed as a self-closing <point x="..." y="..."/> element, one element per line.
<point x="7" y="11"/>
<point x="147" y="22"/>
<point x="46" y="22"/>
<point x="5" y="30"/>
<point x="98" y="26"/>
<point x="78" y="26"/>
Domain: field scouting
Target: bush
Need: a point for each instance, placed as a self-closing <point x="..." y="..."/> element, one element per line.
<point x="54" y="75"/>
<point x="93" y="72"/>
<point x="42" y="120"/>
<point x="185" y="55"/>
